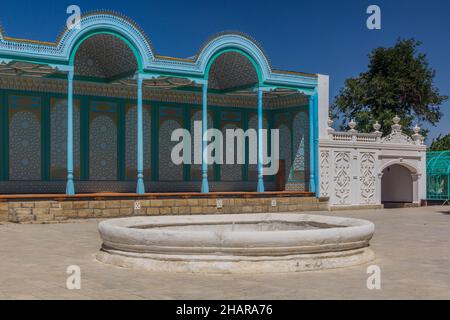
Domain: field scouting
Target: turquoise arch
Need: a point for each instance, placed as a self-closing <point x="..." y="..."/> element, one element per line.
<point x="63" y="53"/>
<point x="240" y="51"/>
<point x="60" y="54"/>
<point x="87" y="35"/>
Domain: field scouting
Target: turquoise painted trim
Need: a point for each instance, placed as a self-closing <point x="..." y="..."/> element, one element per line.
<point x="45" y="137"/>
<point x="271" y="123"/>
<point x="316" y="143"/>
<point x="260" y="187"/>
<point x="245" y="54"/>
<point x="312" y="161"/>
<point x="70" y="188"/>
<point x="304" y="89"/>
<point x="175" y="74"/>
<point x="155" y="142"/>
<point x="91" y="79"/>
<point x="216" y="123"/>
<point x="193" y="110"/>
<point x="135" y="51"/>
<point x="84" y="138"/>
<point x="266" y="115"/>
<point x="4" y="136"/>
<point x="291" y="169"/>
<point x="34" y="60"/>
<point x="121" y="143"/>
<point x="140" y="188"/>
<point x="205" y="184"/>
<point x="60" y="53"/>
<point x="187" y="126"/>
<point x="246" y="152"/>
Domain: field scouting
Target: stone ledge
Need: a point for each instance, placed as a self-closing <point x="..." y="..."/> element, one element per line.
<point x="355" y="207"/>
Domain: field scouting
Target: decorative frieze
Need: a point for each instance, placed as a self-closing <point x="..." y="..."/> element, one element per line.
<point x="44" y="85"/>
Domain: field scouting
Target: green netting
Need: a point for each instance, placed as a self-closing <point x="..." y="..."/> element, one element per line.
<point x="438" y="175"/>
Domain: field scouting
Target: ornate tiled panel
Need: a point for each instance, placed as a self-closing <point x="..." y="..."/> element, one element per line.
<point x="231" y="70"/>
<point x="104" y="56"/>
<point x="131" y="142"/>
<point x="253" y="124"/>
<point x="103" y="141"/>
<point x="24" y="138"/>
<point x="168" y="170"/>
<point x="58" y="139"/>
<point x="298" y="172"/>
<point x="196" y="169"/>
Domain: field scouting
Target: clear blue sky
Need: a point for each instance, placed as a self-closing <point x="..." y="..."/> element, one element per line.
<point x="320" y="36"/>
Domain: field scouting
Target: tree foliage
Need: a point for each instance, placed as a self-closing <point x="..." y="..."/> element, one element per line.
<point x="399" y="82"/>
<point x="441" y="143"/>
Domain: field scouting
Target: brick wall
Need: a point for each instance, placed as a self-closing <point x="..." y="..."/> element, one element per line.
<point x="61" y="210"/>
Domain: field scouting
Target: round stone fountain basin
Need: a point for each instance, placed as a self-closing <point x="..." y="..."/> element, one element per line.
<point x="248" y="243"/>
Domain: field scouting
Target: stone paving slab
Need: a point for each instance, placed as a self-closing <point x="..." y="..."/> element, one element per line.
<point x="412" y="247"/>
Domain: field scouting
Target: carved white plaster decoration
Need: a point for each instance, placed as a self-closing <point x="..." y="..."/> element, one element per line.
<point x="325" y="174"/>
<point x="367" y="177"/>
<point x="342" y="177"/>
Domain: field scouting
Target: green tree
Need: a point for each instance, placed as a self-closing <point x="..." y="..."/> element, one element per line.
<point x="441" y="143"/>
<point x="399" y="82"/>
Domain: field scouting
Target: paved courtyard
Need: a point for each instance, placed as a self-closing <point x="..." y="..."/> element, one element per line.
<point x="412" y="248"/>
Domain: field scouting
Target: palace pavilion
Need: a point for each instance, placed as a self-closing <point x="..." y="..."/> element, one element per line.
<point x="94" y="112"/>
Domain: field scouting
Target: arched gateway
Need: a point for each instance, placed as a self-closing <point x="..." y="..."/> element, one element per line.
<point x="94" y="112"/>
<point x="397" y="185"/>
<point x="366" y="170"/>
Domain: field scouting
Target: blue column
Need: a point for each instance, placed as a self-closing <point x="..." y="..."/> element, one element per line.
<point x="316" y="143"/>
<point x="312" y="161"/>
<point x="70" y="188"/>
<point x="205" y="185"/>
<point x="140" y="189"/>
<point x="260" y="141"/>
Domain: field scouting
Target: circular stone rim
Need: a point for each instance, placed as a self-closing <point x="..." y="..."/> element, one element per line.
<point x="124" y="244"/>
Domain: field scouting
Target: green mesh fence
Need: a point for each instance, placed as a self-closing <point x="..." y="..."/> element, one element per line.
<point x="438" y="175"/>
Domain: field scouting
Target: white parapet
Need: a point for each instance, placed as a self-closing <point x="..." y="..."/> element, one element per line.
<point x="365" y="169"/>
<point x="324" y="104"/>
